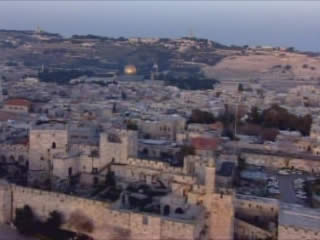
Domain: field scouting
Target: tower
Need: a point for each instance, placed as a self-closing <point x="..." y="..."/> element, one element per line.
<point x="44" y="141"/>
<point x="220" y="207"/>
<point x="221" y="218"/>
<point x="210" y="182"/>
<point x="117" y="146"/>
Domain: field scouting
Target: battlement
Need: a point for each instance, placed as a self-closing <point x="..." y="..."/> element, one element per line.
<point x="147" y="163"/>
<point x="108" y="222"/>
<point x="153" y="164"/>
<point x="59" y="197"/>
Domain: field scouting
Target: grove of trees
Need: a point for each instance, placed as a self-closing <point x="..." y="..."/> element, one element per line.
<point x="27" y="223"/>
<point x="279" y="118"/>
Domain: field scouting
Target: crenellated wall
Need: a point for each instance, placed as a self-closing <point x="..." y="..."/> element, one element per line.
<point x="108" y="223"/>
<point x="276" y="162"/>
<point x="252" y="207"/>
<point x="292" y="233"/>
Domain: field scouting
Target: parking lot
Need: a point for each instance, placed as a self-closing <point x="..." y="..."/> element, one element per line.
<point x="285" y="184"/>
<point x="292" y="187"/>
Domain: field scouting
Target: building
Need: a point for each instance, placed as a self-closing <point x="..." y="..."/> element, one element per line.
<point x="17" y="105"/>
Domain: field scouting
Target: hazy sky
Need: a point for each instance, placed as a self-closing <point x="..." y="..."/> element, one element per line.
<point x="285" y="23"/>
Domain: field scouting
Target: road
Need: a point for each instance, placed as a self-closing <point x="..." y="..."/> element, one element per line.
<point x="287" y="193"/>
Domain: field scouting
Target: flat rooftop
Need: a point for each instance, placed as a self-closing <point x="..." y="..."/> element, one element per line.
<point x="303" y="156"/>
<point x="153" y="142"/>
<point x="49" y="125"/>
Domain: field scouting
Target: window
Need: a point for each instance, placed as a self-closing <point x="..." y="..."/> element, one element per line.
<point x="54" y="145"/>
<point x="95" y="181"/>
<point x="94" y="170"/>
<point x="145" y="220"/>
<point x="70" y="171"/>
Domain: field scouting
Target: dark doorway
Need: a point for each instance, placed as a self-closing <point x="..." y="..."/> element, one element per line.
<point x="166" y="210"/>
<point x="70" y="171"/>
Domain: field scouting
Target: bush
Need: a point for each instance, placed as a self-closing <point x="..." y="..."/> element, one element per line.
<point x="54" y="221"/>
<point x="287" y="67"/>
<point x="81" y="222"/>
<point x="279" y="118"/>
<point x="202" y="117"/>
<point x="25" y="221"/>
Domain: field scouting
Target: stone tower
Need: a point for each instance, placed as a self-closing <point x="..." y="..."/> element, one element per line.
<point x="220" y="207"/>
<point x="221" y="218"/>
<point x="118" y="146"/>
<point x="210" y="182"/>
<point x="44" y="141"/>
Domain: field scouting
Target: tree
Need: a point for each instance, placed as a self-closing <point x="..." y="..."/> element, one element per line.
<point x="132" y="126"/>
<point x="304" y="125"/>
<point x="269" y="134"/>
<point x="187" y="150"/>
<point x="110" y="179"/>
<point x="25" y="220"/>
<point x="114" y="108"/>
<point x="81" y="222"/>
<point x="123" y="95"/>
<point x="255" y="116"/>
<point x="280" y="118"/>
<point x="227" y="132"/>
<point x="202" y="117"/>
<point x="240" y="87"/>
<point x="55" y="220"/>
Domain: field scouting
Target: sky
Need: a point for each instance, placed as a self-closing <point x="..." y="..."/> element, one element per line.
<point x="277" y="23"/>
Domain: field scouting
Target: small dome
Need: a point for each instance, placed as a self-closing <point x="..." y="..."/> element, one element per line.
<point x="130" y="70"/>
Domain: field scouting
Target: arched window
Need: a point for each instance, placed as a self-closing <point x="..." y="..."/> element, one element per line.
<point x="179" y="211"/>
<point x="53" y="145"/>
<point x="11" y="158"/>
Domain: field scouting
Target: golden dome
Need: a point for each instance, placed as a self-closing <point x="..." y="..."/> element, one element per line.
<point x="130" y="70"/>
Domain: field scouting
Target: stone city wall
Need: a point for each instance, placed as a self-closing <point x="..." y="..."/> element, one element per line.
<point x="276" y="162"/>
<point x="292" y="233"/>
<point x="107" y="223"/>
<point x="244" y="230"/>
<point x="256" y="206"/>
